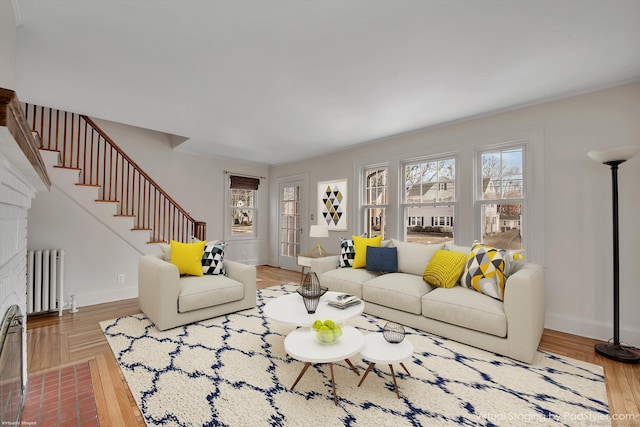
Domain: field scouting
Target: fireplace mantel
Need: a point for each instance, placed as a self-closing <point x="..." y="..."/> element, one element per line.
<point x="17" y="142"/>
<point x="22" y="175"/>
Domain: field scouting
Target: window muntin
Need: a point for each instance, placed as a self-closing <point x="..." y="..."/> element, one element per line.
<point x="501" y="197"/>
<point x="290" y="220"/>
<point x="242" y="212"/>
<point x="429" y="200"/>
<point x="502" y="174"/>
<point x="374" y="208"/>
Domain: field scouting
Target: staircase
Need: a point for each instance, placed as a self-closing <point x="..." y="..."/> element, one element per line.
<point x="89" y="167"/>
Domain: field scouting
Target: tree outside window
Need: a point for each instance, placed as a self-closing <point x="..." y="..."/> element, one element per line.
<point x="501" y="198"/>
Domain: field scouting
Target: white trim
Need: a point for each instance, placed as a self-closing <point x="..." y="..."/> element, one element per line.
<point x="362" y="207"/>
<point x="465" y="152"/>
<point x="227" y="228"/>
<point x="275" y="212"/>
<point x="531" y="139"/>
<point x="402" y="206"/>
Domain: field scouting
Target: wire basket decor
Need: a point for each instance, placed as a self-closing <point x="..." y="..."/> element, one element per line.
<point x="393" y="332"/>
<point x="311" y="291"/>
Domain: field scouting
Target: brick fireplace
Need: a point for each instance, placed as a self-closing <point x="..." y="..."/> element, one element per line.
<point x="22" y="175"/>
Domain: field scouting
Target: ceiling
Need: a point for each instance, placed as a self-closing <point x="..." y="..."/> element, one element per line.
<point x="277" y="81"/>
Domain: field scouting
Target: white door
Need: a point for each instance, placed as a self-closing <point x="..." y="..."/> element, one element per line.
<point x="290" y="223"/>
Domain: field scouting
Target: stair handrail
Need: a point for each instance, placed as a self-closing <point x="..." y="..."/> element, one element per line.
<point x="168" y="210"/>
<point x="137" y="167"/>
<point x="13" y="118"/>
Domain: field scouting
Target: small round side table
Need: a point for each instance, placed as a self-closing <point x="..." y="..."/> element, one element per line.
<point x="378" y="350"/>
<point x="302" y="345"/>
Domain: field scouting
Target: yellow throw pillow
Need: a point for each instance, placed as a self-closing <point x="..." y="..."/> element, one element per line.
<point x="187" y="257"/>
<point x="445" y="268"/>
<point x="485" y="269"/>
<point x="360" y="244"/>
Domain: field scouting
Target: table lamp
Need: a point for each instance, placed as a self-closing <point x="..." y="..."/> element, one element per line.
<point x="319" y="231"/>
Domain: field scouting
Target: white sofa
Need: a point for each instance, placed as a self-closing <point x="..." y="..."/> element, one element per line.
<point x="512" y="328"/>
<point x="171" y="300"/>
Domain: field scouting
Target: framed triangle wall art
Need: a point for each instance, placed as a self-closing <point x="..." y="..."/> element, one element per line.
<point x="332" y="204"/>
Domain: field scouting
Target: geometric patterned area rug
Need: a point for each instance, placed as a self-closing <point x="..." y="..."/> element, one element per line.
<point x="233" y="371"/>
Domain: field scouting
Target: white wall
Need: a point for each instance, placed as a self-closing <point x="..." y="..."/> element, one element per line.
<point x="573" y="228"/>
<point x="95" y="257"/>
<point x="7" y="44"/>
<point x="197" y="183"/>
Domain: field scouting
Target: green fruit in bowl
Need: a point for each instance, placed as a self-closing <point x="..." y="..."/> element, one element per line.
<point x="316" y="325"/>
<point x="329" y="323"/>
<point x="325" y="335"/>
<point x="337" y="331"/>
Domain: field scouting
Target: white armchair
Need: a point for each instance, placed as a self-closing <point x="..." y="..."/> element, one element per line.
<point x="170" y="300"/>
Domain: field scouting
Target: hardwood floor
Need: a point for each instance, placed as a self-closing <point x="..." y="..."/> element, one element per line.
<point x="54" y="342"/>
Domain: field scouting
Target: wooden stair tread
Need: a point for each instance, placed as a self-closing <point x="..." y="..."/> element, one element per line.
<point x="132" y="184"/>
<point x="66" y="167"/>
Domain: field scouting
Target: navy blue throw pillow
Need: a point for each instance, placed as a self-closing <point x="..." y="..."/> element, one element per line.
<point x="382" y="259"/>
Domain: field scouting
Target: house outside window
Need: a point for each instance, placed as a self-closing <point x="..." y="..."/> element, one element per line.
<point x="415" y="220"/>
<point x="242" y="205"/>
<point x="374" y="206"/>
<point x="430" y="194"/>
<point x="501" y="196"/>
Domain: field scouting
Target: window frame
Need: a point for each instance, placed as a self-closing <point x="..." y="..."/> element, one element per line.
<point x="365" y="191"/>
<point x="480" y="201"/>
<point x="229" y="207"/>
<point x="403" y="207"/>
<point x="466" y="225"/>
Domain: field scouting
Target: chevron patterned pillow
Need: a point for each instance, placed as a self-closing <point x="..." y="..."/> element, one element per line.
<point x="485" y="269"/>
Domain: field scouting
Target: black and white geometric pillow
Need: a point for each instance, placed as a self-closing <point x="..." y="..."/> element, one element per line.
<point x="347" y="253"/>
<point x="484" y="271"/>
<point x="212" y="258"/>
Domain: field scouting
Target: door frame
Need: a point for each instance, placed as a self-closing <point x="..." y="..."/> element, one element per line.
<point x="283" y="262"/>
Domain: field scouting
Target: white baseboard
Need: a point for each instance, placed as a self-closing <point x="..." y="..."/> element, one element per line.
<point x="86" y="299"/>
<point x="590" y="329"/>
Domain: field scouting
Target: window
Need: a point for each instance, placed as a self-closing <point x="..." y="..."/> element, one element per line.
<point x="430" y="196"/>
<point x="375" y="201"/>
<point x="416" y="220"/>
<point x="242" y="205"/>
<point x="290" y="220"/>
<point x="501" y="197"/>
<point x="442" y="220"/>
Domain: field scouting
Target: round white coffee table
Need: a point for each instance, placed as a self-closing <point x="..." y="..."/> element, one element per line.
<point x="301" y="344"/>
<point x="378" y="350"/>
<point x="289" y="309"/>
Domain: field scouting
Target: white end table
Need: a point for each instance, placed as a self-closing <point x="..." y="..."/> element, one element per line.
<point x="302" y="345"/>
<point x="289" y="309"/>
<point x="304" y="261"/>
<point x="378" y="350"/>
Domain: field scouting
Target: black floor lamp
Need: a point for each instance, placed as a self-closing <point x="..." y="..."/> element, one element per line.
<point x="613" y="157"/>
